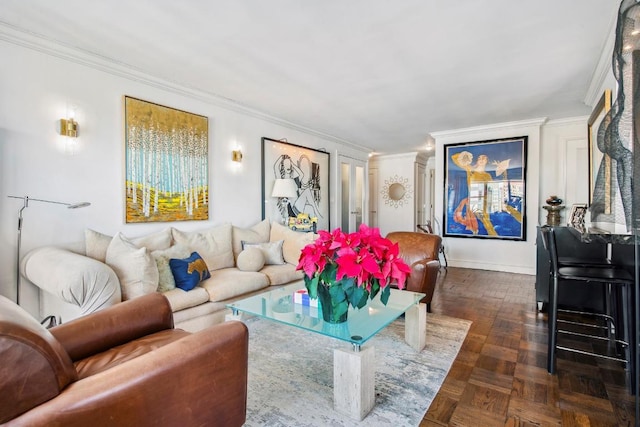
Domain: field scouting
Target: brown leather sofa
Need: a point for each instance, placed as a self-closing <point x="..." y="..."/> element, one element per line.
<point x="420" y="251"/>
<point x="123" y="366"/>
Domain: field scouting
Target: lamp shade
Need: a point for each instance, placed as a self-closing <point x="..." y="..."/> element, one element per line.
<point x="284" y="188"/>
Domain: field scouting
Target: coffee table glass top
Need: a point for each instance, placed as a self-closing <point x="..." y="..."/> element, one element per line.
<point x="362" y="324"/>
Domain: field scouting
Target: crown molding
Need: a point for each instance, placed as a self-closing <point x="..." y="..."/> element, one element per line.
<point x="537" y="122"/>
<point x="603" y="68"/>
<point x="37" y="42"/>
<point x="567" y="121"/>
<point x="410" y="156"/>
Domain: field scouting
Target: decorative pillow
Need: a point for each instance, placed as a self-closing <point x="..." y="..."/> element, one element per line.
<point x="250" y="259"/>
<point x="134" y="266"/>
<point x="166" y="281"/>
<point x="96" y="243"/>
<point x="155" y="241"/>
<point x="189" y="272"/>
<point x="213" y="245"/>
<point x="272" y="251"/>
<point x="259" y="233"/>
<point x="294" y="241"/>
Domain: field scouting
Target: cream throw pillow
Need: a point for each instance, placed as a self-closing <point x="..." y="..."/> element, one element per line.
<point x="134" y="266"/>
<point x="259" y="233"/>
<point x="96" y="243"/>
<point x="166" y="280"/>
<point x="250" y="259"/>
<point x="294" y="241"/>
<point x="213" y="245"/>
<point x="272" y="251"/>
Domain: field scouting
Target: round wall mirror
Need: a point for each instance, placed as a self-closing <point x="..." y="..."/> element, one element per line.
<point x="396" y="191"/>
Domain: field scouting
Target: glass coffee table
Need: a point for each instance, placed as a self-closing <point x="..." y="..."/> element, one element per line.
<point x="353" y="368"/>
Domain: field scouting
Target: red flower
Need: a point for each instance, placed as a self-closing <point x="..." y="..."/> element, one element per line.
<point x="367" y="259"/>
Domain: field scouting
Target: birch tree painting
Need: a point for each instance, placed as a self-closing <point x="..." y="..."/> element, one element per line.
<point x="166" y="163"/>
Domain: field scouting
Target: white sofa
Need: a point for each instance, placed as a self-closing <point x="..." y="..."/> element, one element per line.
<point x="107" y="270"/>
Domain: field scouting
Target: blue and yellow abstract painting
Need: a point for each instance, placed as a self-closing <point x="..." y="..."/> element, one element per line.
<point x="485" y="189"/>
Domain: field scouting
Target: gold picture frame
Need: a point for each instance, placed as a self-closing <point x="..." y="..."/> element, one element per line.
<point x="597" y="157"/>
<point x="166" y="163"/>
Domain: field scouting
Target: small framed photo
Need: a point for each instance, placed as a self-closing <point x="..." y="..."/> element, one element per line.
<point x="577" y="216"/>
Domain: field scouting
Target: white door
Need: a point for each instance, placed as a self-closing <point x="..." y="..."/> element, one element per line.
<point x="373" y="197"/>
<point x="352" y="195"/>
<point x="420" y="199"/>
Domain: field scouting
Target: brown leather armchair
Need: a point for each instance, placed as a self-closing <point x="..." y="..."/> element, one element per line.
<point x="420" y="251"/>
<point x="123" y="366"/>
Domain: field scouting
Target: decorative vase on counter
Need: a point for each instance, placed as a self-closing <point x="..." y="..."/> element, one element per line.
<point x="554" y="201"/>
<point x="553" y="210"/>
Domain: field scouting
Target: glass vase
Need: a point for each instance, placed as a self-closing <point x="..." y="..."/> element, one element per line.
<point x="329" y="307"/>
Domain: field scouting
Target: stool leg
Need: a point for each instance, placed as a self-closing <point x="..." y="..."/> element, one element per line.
<point x="630" y="350"/>
<point x="553" y="326"/>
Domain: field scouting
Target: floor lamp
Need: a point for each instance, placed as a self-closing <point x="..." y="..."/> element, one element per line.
<point x="26" y="200"/>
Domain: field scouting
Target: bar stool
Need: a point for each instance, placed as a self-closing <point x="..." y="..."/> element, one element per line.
<point x="615" y="281"/>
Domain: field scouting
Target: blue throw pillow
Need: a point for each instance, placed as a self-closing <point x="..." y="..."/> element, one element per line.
<point x="189" y="272"/>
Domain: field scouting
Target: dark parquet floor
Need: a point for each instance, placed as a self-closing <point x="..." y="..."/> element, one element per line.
<point x="499" y="378"/>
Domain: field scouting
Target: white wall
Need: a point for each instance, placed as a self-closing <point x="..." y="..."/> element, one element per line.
<point x="35" y="90"/>
<point x="564" y="164"/>
<point x="391" y="168"/>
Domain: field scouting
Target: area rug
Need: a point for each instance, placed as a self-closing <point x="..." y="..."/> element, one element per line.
<point x="290" y="380"/>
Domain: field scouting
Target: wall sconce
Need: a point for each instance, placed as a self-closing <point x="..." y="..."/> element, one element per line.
<point x="68" y="127"/>
<point x="236" y="155"/>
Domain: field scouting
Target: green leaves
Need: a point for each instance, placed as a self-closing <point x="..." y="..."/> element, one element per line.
<point x="386" y="292"/>
<point x="312" y="286"/>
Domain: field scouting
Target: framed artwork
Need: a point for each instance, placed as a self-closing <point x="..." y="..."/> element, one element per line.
<point x="597" y="159"/>
<point x="166" y="163"/>
<point x="484" y="194"/>
<point x="577" y="216"/>
<point x="295" y="182"/>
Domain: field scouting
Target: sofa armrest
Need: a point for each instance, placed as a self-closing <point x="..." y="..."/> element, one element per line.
<point x="114" y="325"/>
<point x="76" y="279"/>
<point x="198" y="380"/>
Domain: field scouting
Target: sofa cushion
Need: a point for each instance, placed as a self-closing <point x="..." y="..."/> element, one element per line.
<point x="213" y="245"/>
<point x="259" y="233"/>
<point x="134" y="266"/>
<point x="180" y="300"/>
<point x="281" y="274"/>
<point x="166" y="281"/>
<point x="294" y="241"/>
<point x="190" y="271"/>
<point x="272" y="251"/>
<point x="231" y="282"/>
<point x="96" y="243"/>
<point x="250" y="259"/>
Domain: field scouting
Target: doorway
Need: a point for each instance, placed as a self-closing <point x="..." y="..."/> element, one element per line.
<point x="352" y="194"/>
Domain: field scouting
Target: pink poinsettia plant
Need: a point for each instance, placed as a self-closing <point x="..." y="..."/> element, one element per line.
<point x="354" y="266"/>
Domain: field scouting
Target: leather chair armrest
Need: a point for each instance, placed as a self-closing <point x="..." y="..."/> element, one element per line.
<point x="433" y="267"/>
<point x="198" y="380"/>
<point x="114" y="325"/>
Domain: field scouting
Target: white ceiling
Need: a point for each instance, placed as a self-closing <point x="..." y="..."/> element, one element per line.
<point x="381" y="74"/>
